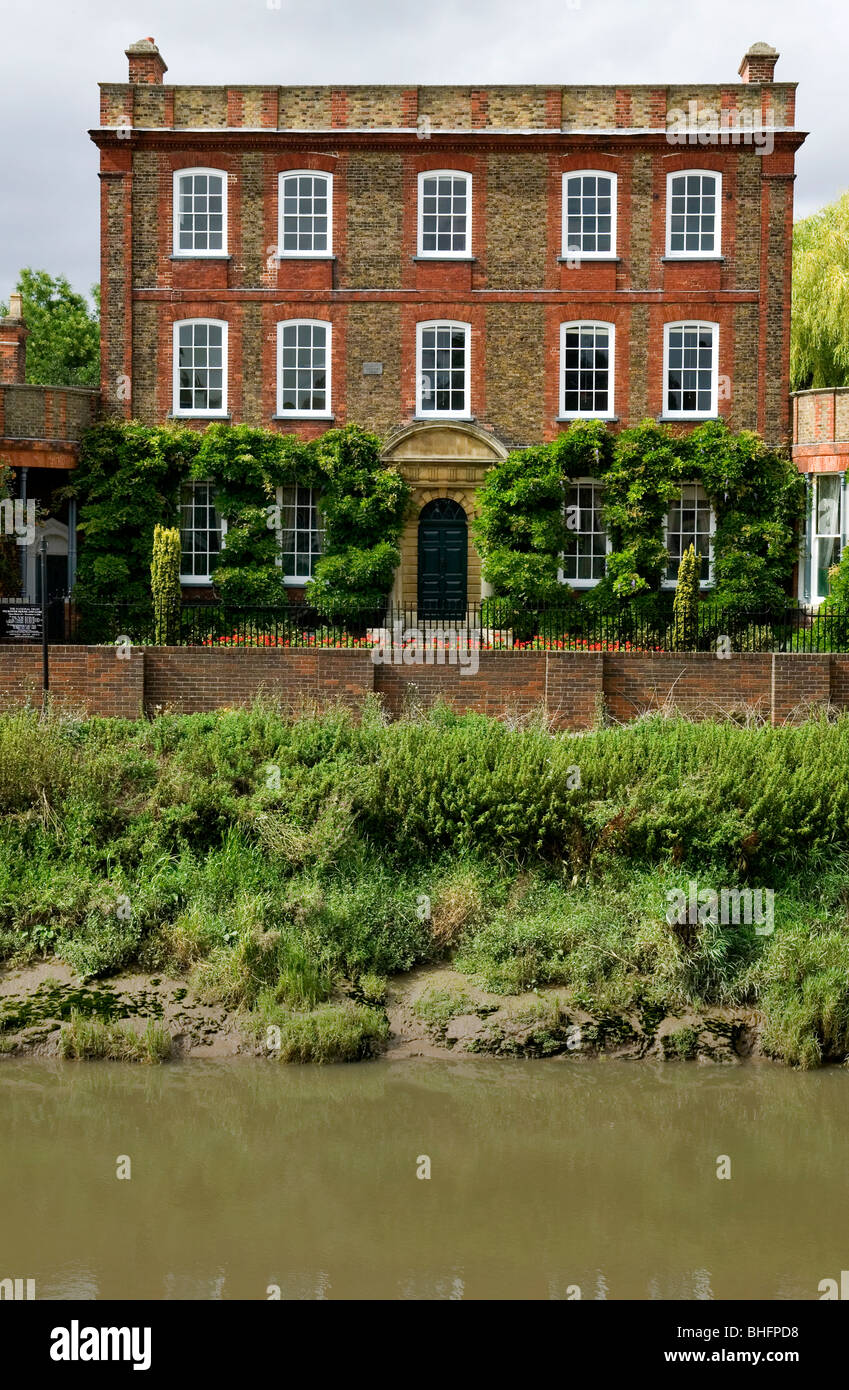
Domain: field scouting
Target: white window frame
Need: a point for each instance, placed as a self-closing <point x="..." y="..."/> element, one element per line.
<point x="711" y="414"/>
<point x="817" y="535"/>
<point x="466" y="255"/>
<point x="313" y="255"/>
<point x="297" y="581"/>
<point x="716" y="253"/>
<point x="597" y="485"/>
<point x="327" y="412"/>
<point x="198" y="579"/>
<point x="568" y="252"/>
<point x="466" y="413"/>
<point x="192" y="255"/>
<point x="703" y="583"/>
<point x="176" y="409"/>
<point x="608" y="414"/>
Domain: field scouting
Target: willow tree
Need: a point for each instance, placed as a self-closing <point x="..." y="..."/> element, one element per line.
<point x="819" y="335"/>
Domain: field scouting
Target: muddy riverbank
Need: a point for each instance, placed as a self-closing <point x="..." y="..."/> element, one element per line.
<point x="432" y="1011"/>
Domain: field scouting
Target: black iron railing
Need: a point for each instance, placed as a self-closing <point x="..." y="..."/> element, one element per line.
<point x="493" y="625"/>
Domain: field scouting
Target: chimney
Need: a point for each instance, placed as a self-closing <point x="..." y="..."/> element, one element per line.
<point x="759" y="63"/>
<point x="13" y="344"/>
<point x="146" y="62"/>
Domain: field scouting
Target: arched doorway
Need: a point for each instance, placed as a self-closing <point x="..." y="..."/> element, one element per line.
<point x="443" y="559"/>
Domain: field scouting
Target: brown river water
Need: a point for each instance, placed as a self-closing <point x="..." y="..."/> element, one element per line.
<point x="545" y="1177"/>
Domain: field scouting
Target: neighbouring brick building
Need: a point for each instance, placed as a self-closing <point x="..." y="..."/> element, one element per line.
<point x="821" y="452"/>
<point x="461" y="269"/>
<point x="40" y="432"/>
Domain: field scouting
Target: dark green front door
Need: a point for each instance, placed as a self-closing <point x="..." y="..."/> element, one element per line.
<point x="443" y="559"/>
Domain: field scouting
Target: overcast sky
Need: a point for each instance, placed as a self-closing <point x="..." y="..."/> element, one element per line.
<point x="56" y="51"/>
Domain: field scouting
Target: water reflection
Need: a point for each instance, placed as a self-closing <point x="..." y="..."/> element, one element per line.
<point x="250" y="1178"/>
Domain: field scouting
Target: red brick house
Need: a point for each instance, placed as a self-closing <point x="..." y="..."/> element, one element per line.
<point x="821" y="452"/>
<point x="461" y="269"/>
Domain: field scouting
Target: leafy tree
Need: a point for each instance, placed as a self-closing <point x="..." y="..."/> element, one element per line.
<point x="63" y="347"/>
<point x="819" y="333"/>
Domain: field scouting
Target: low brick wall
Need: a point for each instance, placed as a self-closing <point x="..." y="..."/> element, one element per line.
<point x="190" y="678"/>
<point x="699" y="684"/>
<point x="93" y="680"/>
<point x="572" y="687"/>
<point x="567" y="685"/>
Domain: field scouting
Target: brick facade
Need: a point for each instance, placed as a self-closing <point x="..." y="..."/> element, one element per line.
<point x="574" y="689"/>
<point x="517" y="142"/>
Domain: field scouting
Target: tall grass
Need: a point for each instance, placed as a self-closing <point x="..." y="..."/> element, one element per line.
<point x="258" y="852"/>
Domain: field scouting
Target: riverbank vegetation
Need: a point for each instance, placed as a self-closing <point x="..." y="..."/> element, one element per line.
<point x="286" y="867"/>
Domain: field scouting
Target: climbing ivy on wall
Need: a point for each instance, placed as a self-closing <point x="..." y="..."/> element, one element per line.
<point x="129" y="480"/>
<point x="756" y="493"/>
<point x="363" y="505"/>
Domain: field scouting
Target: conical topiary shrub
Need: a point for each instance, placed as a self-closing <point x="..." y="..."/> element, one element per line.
<point x="685" y="609"/>
<point x="165" y="585"/>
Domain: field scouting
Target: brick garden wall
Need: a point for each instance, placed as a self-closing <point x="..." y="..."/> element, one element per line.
<point x="189" y="679"/>
<point x="572" y="687"/>
<point x="89" y="679"/>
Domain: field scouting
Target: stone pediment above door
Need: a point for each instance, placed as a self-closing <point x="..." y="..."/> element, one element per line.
<point x="443" y="442"/>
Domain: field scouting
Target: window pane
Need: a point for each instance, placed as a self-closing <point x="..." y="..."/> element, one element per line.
<point x="585" y="369"/>
<point x="584" y="556"/>
<point x="200" y="365"/>
<point x="444" y="213"/>
<point x="200" y="531"/>
<point x="304" y="200"/>
<point x="302" y="367"/>
<point x="688" y="523"/>
<point x="589" y="213"/>
<point x="692" y="213"/>
<point x="302" y="532"/>
<point x="442" y="370"/>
